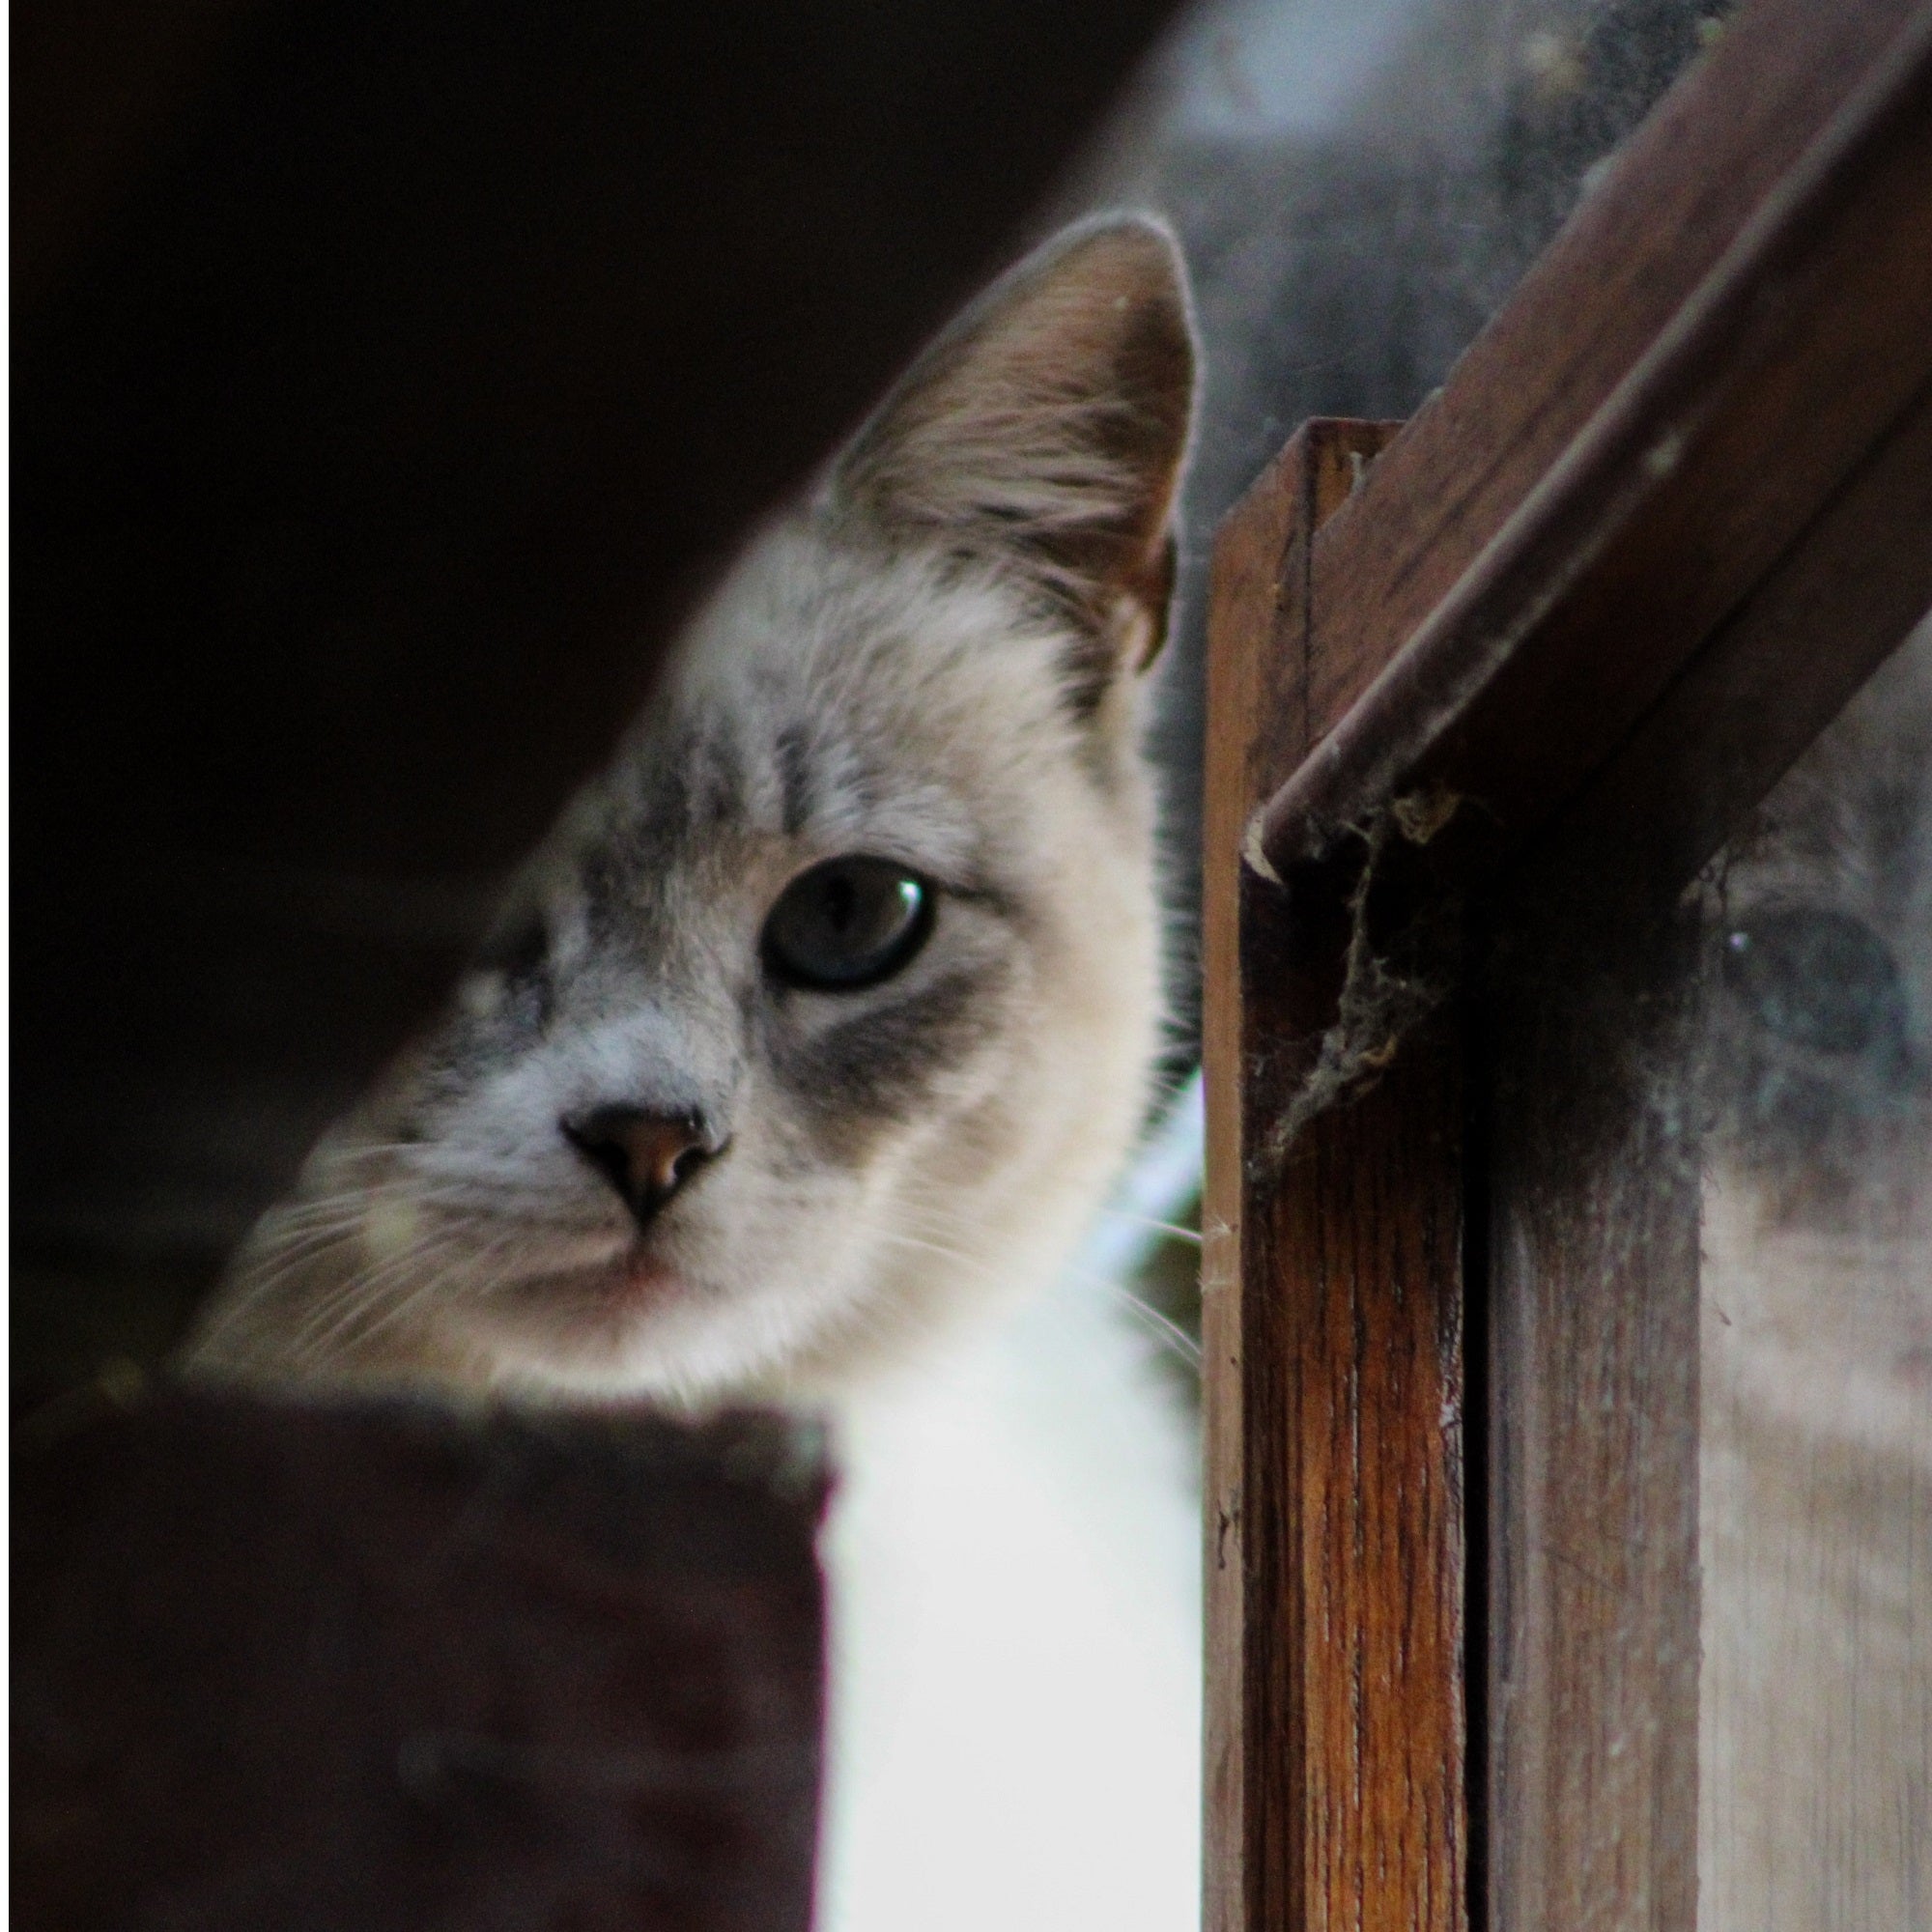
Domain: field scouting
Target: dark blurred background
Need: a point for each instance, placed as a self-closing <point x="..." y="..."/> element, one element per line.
<point x="386" y="380"/>
<point x="389" y="381"/>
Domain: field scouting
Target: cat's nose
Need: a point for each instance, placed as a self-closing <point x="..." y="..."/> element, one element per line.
<point x="645" y="1156"/>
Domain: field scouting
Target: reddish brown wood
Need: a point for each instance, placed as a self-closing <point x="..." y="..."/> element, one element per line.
<point x="1255" y="734"/>
<point x="1769" y="680"/>
<point x="1335" y="1790"/>
<point x="1592" y="1203"/>
<point x="1365" y="1222"/>
<point x="1712" y="158"/>
<point x="1758" y="397"/>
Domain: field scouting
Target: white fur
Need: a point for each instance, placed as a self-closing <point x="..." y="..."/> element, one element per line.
<point x="1016" y="1632"/>
<point x="952" y="628"/>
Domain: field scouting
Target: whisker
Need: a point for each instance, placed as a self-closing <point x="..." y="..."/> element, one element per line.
<point x="362" y="1294"/>
<point x="1173" y="1228"/>
<point x="471" y="1262"/>
<point x="325" y="1316"/>
<point x="1165" y="1327"/>
<point x="370" y="1150"/>
<point x="361" y="1287"/>
<point x="269" y="1269"/>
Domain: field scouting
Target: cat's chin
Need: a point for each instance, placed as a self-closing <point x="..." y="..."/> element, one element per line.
<point x="619" y="1288"/>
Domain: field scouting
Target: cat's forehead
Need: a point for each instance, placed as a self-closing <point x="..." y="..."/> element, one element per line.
<point x="837" y="697"/>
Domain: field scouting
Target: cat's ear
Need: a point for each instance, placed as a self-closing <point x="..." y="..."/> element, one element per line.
<point x="1045" y="430"/>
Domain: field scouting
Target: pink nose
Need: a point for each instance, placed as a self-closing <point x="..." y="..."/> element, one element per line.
<point x="645" y="1156"/>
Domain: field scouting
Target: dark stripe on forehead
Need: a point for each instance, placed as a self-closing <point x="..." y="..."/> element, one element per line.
<point x="624" y="856"/>
<point x="691" y="782"/>
<point x="714" y="777"/>
<point x="600" y="879"/>
<point x="793" y="753"/>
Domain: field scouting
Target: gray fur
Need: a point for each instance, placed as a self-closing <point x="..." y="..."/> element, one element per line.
<point x="932" y="659"/>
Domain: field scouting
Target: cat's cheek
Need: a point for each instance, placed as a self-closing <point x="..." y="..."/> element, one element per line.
<point x="855" y="1084"/>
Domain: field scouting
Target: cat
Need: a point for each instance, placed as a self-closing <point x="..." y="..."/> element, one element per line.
<point x="807" y="1046"/>
<point x="826" y="1013"/>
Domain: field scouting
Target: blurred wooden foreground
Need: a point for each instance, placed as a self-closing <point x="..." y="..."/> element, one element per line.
<point x="286" y="1669"/>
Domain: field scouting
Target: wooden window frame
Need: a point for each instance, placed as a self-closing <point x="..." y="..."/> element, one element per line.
<point x="1543" y="647"/>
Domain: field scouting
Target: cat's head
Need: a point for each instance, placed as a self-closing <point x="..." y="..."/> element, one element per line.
<point x="827" y="1011"/>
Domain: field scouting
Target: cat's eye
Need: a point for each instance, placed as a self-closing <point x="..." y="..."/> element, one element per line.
<point x="1818" y="980"/>
<point x="848" y="923"/>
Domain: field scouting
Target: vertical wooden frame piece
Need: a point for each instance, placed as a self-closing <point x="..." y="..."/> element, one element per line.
<point x="1591" y="1201"/>
<point x="1335" y="1785"/>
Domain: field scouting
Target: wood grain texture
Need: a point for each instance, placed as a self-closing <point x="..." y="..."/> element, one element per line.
<point x="1335" y="1779"/>
<point x="1366" y="1227"/>
<point x="1592" y="1202"/>
<point x="1254" y="735"/>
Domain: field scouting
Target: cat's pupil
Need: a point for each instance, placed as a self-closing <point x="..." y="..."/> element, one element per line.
<point x="848" y="923"/>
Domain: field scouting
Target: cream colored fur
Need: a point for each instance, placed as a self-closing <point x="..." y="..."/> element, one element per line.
<point x="935" y="659"/>
<point x="952" y="628"/>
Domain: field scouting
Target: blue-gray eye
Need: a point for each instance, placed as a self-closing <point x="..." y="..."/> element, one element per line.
<point x="848" y="923"/>
<point x="1818" y="978"/>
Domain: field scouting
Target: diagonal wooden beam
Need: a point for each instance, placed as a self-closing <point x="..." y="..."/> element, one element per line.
<point x="1746" y="382"/>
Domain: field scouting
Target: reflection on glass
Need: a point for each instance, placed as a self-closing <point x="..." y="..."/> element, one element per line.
<point x="1815" y="1706"/>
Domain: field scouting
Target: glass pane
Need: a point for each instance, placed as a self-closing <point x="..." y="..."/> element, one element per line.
<point x="1815" y="1701"/>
